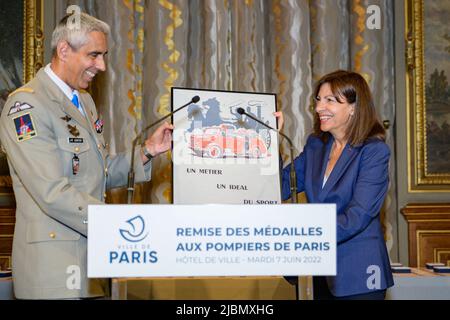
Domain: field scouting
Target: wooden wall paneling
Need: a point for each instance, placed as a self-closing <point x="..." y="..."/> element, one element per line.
<point x="428" y="233"/>
<point x="7" y="222"/>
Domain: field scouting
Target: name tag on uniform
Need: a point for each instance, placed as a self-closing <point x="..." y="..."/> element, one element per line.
<point x="76" y="140"/>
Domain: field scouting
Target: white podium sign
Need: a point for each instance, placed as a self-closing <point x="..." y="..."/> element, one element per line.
<point x="211" y="240"/>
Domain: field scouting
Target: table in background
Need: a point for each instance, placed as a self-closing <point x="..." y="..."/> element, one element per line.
<point x="420" y="284"/>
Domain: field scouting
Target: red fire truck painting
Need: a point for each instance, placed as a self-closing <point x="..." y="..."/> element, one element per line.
<point x="227" y="141"/>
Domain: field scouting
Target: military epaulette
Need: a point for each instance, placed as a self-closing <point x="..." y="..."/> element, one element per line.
<point x="22" y="89"/>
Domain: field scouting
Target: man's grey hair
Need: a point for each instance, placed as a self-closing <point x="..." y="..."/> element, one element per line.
<point x="74" y="29"/>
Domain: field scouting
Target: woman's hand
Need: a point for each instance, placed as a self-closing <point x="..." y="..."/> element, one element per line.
<point x="280" y="119"/>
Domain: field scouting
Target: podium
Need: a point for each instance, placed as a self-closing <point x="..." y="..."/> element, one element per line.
<point x="211" y="288"/>
<point x="204" y="241"/>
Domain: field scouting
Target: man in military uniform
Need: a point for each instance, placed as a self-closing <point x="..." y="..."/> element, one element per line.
<point x="59" y="164"/>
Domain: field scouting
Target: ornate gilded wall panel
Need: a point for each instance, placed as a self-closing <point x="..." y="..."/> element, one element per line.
<point x="428" y="95"/>
<point x="428" y="232"/>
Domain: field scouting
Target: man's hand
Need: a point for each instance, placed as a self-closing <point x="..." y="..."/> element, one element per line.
<point x="159" y="142"/>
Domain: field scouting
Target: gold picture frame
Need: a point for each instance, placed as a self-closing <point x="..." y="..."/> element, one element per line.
<point x="428" y="148"/>
<point x="33" y="36"/>
<point x="33" y="57"/>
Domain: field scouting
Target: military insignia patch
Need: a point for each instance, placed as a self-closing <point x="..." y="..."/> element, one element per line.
<point x="66" y="118"/>
<point x="73" y="130"/>
<point x="24" y="127"/>
<point x="75" y="164"/>
<point x="19" y="107"/>
<point x="98" y="125"/>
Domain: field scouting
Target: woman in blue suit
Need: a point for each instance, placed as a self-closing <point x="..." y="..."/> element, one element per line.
<point x="346" y="161"/>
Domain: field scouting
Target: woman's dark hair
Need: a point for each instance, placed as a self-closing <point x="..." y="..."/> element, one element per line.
<point x="364" y="124"/>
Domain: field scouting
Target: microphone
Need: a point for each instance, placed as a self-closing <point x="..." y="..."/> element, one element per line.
<point x="293" y="177"/>
<point x="293" y="280"/>
<point x="130" y="188"/>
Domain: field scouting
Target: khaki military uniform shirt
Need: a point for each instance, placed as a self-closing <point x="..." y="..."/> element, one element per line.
<point x="59" y="164"/>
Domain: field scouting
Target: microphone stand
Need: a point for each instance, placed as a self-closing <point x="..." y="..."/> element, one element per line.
<point x="293" y="182"/>
<point x="293" y="176"/>
<point x="117" y="288"/>
<point x="130" y="185"/>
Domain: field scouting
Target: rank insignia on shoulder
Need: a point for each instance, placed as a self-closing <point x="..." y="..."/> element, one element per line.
<point x="24" y="127"/>
<point x="21" y="89"/>
<point x="98" y="125"/>
<point x="73" y="130"/>
<point x="17" y="107"/>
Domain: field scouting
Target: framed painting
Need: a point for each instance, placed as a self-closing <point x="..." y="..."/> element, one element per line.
<point x="222" y="155"/>
<point x="428" y="95"/>
<point x="21" y="56"/>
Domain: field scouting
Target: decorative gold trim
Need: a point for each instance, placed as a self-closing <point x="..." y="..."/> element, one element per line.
<point x="428" y="205"/>
<point x="358" y="39"/>
<point x="437" y="252"/>
<point x="419" y="180"/>
<point x="418" y="235"/>
<point x="7" y="258"/>
<point x="429" y="220"/>
<point x="410" y="60"/>
<point x="5" y="181"/>
<point x="33" y="38"/>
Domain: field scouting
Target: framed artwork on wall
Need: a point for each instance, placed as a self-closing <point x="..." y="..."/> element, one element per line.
<point x="428" y="95"/>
